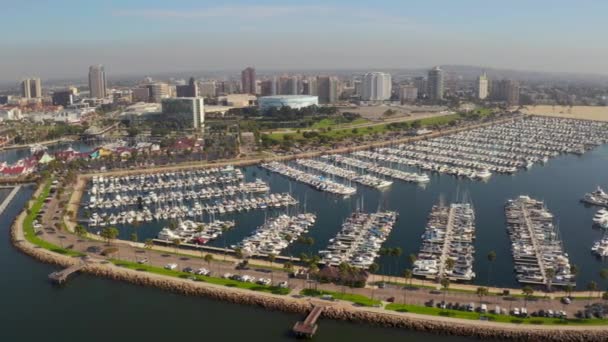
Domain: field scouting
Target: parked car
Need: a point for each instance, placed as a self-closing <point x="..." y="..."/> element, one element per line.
<point x="566" y="300"/>
<point x="188" y="269"/>
<point x="171" y="266"/>
<point x="263" y="281"/>
<point x="283" y="285"/>
<point x="203" y="271"/>
<point x="142" y="261"/>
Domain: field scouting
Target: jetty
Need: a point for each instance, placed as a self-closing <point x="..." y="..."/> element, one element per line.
<point x="9" y="198"/>
<point x="60" y="277"/>
<point x="308" y="327"/>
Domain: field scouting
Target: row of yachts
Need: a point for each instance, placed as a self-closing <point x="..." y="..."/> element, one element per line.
<point x="276" y="234"/>
<point x="378" y="169"/>
<point x="536" y="245"/>
<point x="165" y="180"/>
<point x="359" y="241"/>
<point x="174" y="195"/>
<point x="188" y="231"/>
<point x="350" y="175"/>
<point x="224" y="206"/>
<point x="447" y="243"/>
<point x="318" y="182"/>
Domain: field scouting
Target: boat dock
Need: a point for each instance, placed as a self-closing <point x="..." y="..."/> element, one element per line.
<point x="60" y="277"/>
<point x="9" y="198"/>
<point x="308" y="327"/>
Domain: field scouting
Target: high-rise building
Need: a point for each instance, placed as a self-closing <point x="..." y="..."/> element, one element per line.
<point x="187" y="90"/>
<point x="268" y="87"/>
<point x="208" y="89"/>
<point x="97" y="81"/>
<point x="327" y="89"/>
<point x="158" y="91"/>
<point x="422" y="85"/>
<point x="435" y="84"/>
<point x="63" y="98"/>
<point x="248" y="80"/>
<point x="377" y="86"/>
<point x="31" y="88"/>
<point x="190" y="109"/>
<point x="507" y="91"/>
<point x="482" y="86"/>
<point x="141" y="94"/>
<point x="310" y="86"/>
<point x="408" y="93"/>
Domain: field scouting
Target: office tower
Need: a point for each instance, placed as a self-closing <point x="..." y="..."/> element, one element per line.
<point x="358" y="85"/>
<point x="422" y="85"/>
<point x="191" y="109"/>
<point x="507" y="91"/>
<point x="187" y="90"/>
<point x="141" y="94"/>
<point x="158" y="91"/>
<point x="482" y="86"/>
<point x="408" y="93"/>
<point x="97" y="81"/>
<point x="248" y="80"/>
<point x="310" y="86"/>
<point x="377" y="86"/>
<point x="435" y="84"/>
<point x="327" y="89"/>
<point x="31" y="88"/>
<point x="208" y="89"/>
<point x="268" y="87"/>
<point x="63" y="98"/>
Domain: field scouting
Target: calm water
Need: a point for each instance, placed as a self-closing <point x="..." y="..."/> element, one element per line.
<point x="561" y="183"/>
<point x="11" y="156"/>
<point x="101" y="310"/>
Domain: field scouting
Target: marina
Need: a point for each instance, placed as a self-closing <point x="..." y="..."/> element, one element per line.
<point x="447" y="249"/>
<point x="192" y="232"/>
<point x="536" y="244"/>
<point x="360" y="239"/>
<point x="377" y="169"/>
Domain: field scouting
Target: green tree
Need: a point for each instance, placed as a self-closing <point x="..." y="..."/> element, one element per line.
<point x="208" y="259"/>
<point x="591" y="287"/>
<point x="528" y="292"/>
<point x="109" y="234"/>
<point x="481" y="292"/>
<point x="373" y="268"/>
<point x="407" y="274"/>
<point x="445" y="285"/>
<point x="549" y="273"/>
<point x="491" y="259"/>
<point x="80" y="230"/>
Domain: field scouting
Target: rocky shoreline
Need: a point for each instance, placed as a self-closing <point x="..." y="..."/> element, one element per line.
<point x="429" y="324"/>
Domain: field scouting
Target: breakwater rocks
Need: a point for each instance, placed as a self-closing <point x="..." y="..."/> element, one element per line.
<point x="482" y="330"/>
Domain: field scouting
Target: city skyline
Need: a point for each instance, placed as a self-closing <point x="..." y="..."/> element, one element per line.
<point x="137" y="37"/>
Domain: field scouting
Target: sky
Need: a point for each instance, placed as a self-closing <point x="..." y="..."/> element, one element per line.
<point x="61" y="38"/>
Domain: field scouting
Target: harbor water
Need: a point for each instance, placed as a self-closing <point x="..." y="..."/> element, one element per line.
<point x="101" y="310"/>
<point x="561" y="183"/>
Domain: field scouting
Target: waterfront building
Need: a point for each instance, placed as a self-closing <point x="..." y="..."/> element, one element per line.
<point x="97" y="81"/>
<point x="31" y="88"/>
<point x="248" y="81"/>
<point x="408" y="93"/>
<point x="327" y="89"/>
<point x="63" y="98"/>
<point x="292" y="101"/>
<point x="482" y="86"/>
<point x="435" y="84"/>
<point x="187" y="90"/>
<point x="191" y="109"/>
<point x="507" y="91"/>
<point x="377" y="86"/>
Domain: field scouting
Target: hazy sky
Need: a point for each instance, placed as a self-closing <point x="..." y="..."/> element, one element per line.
<point x="60" y="38"/>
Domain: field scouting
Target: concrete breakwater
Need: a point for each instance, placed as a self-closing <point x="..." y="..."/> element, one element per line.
<point x="437" y="325"/>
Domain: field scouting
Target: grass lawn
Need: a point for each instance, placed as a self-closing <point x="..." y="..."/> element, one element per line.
<point x="491" y="317"/>
<point x="28" y="226"/>
<point x="350" y="297"/>
<point x="211" y="280"/>
<point x="329" y="122"/>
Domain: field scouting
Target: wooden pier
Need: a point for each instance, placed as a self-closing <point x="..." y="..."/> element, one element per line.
<point x="308" y="327"/>
<point x="9" y="198"/>
<point x="60" y="277"/>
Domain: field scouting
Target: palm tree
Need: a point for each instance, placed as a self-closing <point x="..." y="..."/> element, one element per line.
<point x="344" y="270"/>
<point x="481" y="292"/>
<point x="148" y="244"/>
<point x="373" y="268"/>
<point x="407" y="274"/>
<point x="491" y="259"/>
<point x="604" y="274"/>
<point x="176" y="244"/>
<point x="396" y="252"/>
<point x="271" y="258"/>
<point x="445" y="285"/>
<point x="528" y="291"/>
<point x="209" y="258"/>
<point x="383" y="252"/>
<point x="591" y="286"/>
<point x="549" y="273"/>
<point x="134" y="239"/>
<point x="568" y="289"/>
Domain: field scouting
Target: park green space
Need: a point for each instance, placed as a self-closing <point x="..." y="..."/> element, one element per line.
<point x="349" y="297"/>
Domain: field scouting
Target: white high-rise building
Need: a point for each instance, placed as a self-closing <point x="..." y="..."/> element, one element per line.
<point x="377" y="86"/>
<point x="482" y="86"/>
<point x="435" y="83"/>
<point x="97" y="81"/>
